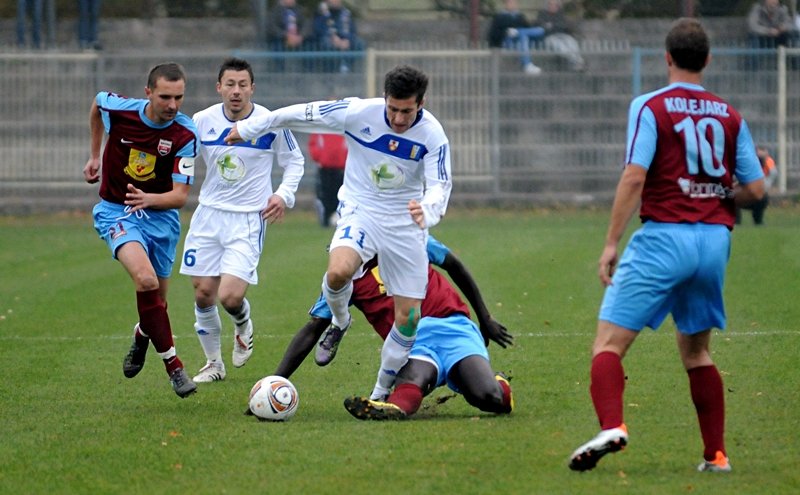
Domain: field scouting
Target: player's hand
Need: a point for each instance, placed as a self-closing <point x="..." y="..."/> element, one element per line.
<point x="233" y="136"/>
<point x="91" y="171"/>
<point x="607" y="265"/>
<point x="137" y="199"/>
<point x="275" y="209"/>
<point x="415" y="209"/>
<point x="497" y="332"/>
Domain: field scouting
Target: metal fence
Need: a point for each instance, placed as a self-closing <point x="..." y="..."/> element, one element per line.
<point x="556" y="137"/>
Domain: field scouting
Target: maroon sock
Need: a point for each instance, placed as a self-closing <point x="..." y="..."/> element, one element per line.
<point x="407" y="397"/>
<point x="154" y="321"/>
<point x="706" y="387"/>
<point x="608" y="385"/>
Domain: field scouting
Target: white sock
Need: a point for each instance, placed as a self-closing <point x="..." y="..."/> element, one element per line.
<point x="241" y="315"/>
<point x="209" y="327"/>
<point x="394" y="356"/>
<point x="338" y="301"/>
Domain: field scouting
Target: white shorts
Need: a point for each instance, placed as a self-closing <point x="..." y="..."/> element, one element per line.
<point x="223" y="242"/>
<point x="399" y="244"/>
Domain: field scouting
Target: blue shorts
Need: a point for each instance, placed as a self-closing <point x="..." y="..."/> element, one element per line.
<point x="670" y="268"/>
<point x="158" y="231"/>
<point x="444" y="342"/>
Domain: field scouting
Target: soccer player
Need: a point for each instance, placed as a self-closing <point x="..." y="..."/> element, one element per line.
<point x="396" y="185"/>
<point x="237" y="201"/>
<point x="450" y="347"/>
<point x="147" y="169"/>
<point x="686" y="149"/>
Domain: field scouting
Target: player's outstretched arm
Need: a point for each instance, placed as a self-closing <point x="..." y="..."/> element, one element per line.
<point x="301" y="345"/>
<point x="490" y="328"/>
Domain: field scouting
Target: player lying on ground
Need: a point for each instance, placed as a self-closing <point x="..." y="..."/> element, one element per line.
<point x="465" y="366"/>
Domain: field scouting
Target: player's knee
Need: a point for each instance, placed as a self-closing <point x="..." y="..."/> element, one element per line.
<point x="487" y="399"/>
<point x="145" y="280"/>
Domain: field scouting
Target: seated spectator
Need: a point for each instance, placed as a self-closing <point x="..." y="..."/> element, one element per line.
<point x="286" y="29"/>
<point x="770" y="25"/>
<point x="511" y="29"/>
<point x="335" y="30"/>
<point x="558" y="34"/>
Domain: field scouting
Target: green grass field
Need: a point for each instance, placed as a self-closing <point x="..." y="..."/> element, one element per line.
<point x="71" y="423"/>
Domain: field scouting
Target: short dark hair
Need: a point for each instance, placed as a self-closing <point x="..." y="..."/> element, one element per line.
<point x="688" y="44"/>
<point x="235" y="64"/>
<point x="405" y="81"/>
<point x="169" y="71"/>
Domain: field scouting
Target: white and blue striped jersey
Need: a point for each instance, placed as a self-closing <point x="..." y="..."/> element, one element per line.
<point x="239" y="178"/>
<point x="384" y="170"/>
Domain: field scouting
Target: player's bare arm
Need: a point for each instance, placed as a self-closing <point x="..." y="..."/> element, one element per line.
<point x="275" y="210"/>
<point x="91" y="171"/>
<point x="626" y="200"/>
<point x="139" y="200"/>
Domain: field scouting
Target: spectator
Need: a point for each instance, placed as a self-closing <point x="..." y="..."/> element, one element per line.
<point x="287" y="28"/>
<point x="770" y="174"/>
<point x="88" y="15"/>
<point x="330" y="153"/>
<point x="511" y="29"/>
<point x="770" y="25"/>
<point x="335" y="30"/>
<point x="32" y="8"/>
<point x="558" y="34"/>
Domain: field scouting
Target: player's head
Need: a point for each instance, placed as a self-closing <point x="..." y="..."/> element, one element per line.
<point x="166" y="84"/>
<point x="688" y="45"/>
<point x="404" y="91"/>
<point x="169" y="71"/>
<point x="236" y="65"/>
<point x="235" y="86"/>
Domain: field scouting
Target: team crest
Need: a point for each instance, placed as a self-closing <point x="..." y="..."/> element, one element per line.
<point x="164" y="147"/>
<point x="393" y="145"/>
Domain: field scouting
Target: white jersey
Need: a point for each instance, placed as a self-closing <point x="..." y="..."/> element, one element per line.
<point x="384" y="170"/>
<point x="239" y="178"/>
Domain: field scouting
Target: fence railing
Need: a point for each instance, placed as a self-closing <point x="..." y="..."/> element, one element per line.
<point x="556" y="137"/>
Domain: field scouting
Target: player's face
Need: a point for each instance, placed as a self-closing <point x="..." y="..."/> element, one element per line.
<point x="401" y="113"/>
<point x="236" y="90"/>
<point x="166" y="99"/>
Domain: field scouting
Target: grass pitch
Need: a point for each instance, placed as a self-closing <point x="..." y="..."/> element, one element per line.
<point x="71" y="423"/>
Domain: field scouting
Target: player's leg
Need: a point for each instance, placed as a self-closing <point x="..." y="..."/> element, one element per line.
<point x="232" y="292"/>
<point x="397" y="346"/>
<point x="707" y="391"/>
<point x="476" y="380"/>
<point x="208" y="327"/>
<point x="351" y="246"/>
<point x="417" y="379"/>
<point x="153" y="317"/>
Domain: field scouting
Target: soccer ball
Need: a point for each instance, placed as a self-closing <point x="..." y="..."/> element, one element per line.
<point x="273" y="398"/>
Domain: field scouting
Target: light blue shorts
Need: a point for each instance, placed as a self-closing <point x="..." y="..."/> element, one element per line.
<point x="444" y="342"/>
<point x="157" y="231"/>
<point x="670" y="268"/>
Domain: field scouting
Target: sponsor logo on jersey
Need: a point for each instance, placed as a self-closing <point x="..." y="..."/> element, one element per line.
<point x="387" y="176"/>
<point x="164" y="147"/>
<point x="125" y="141"/>
<point x="393" y="144"/>
<point x="366" y="131"/>
<point x="309" y="112"/>
<point x="414" y="152"/>
<point x="212" y="132"/>
<point x="231" y="168"/>
<point x="141" y="165"/>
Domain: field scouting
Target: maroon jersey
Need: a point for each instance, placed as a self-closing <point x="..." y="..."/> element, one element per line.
<point x="140" y="152"/>
<point x="688" y="137"/>
<point x="369" y="296"/>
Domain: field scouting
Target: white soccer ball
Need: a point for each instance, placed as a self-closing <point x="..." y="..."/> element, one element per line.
<point x="273" y="398"/>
